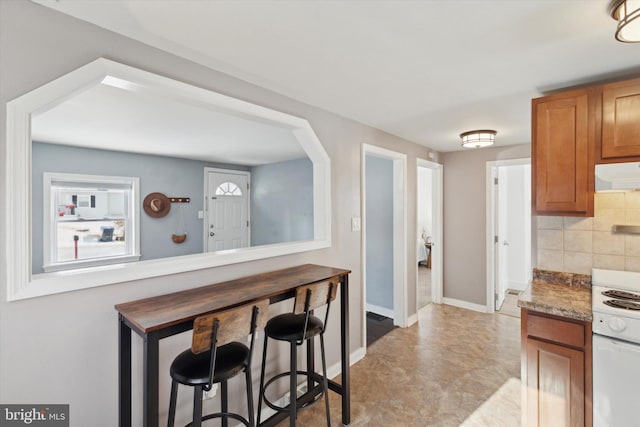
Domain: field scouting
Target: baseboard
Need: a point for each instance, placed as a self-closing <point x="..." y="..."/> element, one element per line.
<point x="412" y="319"/>
<point x="383" y="311"/>
<point x="465" y="304"/>
<point x="357" y="355"/>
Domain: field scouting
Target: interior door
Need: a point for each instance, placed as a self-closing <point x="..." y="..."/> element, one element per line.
<point x="227" y="224"/>
<point x="502" y="243"/>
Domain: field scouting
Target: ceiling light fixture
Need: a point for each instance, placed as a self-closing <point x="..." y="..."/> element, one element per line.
<point x="478" y="138"/>
<point x="627" y="13"/>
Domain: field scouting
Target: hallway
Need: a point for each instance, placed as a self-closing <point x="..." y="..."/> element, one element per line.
<point x="434" y="373"/>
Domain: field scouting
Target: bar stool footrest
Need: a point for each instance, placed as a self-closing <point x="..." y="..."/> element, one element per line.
<point x="237" y="417"/>
<point x="306" y="400"/>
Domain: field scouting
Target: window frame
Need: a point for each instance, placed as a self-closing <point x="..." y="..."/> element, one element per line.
<point x="17" y="275"/>
<point x="132" y="216"/>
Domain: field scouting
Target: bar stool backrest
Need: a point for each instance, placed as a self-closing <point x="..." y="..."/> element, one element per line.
<point x="232" y="325"/>
<point x="321" y="294"/>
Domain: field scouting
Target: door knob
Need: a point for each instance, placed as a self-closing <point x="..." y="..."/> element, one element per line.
<point x="212" y="234"/>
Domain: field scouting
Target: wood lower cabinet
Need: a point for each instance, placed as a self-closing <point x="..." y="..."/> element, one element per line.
<point x="556" y="371"/>
<point x="563" y="141"/>
<point x="620" y="121"/>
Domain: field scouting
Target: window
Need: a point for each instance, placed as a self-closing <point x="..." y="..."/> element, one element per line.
<point x="91" y="220"/>
<point x="228" y="189"/>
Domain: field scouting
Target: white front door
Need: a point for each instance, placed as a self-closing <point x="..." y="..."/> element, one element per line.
<point x="227" y="218"/>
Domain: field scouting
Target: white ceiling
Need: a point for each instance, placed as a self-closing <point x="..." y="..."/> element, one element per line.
<point x="422" y="70"/>
<point x="110" y="117"/>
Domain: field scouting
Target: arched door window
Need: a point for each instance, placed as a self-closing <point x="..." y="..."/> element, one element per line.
<point x="228" y="189"/>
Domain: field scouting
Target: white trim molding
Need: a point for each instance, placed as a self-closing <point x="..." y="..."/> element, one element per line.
<point x="400" y="302"/>
<point x="437" y="260"/>
<point x="382" y="311"/>
<point x="465" y="304"/>
<point x="21" y="283"/>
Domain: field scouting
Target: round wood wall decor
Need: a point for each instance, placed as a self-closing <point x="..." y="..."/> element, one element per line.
<point x="156" y="205"/>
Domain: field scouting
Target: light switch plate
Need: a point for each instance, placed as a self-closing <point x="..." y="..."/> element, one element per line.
<point x="355" y="224"/>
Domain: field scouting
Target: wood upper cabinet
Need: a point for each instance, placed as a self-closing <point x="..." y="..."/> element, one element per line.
<point x="555" y="371"/>
<point x="620" y="122"/>
<point x="563" y="131"/>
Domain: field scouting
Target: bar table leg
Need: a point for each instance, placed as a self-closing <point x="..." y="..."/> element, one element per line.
<point x="124" y="373"/>
<point x="344" y="347"/>
<point x="150" y="381"/>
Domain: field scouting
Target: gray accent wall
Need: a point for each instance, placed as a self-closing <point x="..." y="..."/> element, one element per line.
<point x="379" y="229"/>
<point x="171" y="176"/>
<point x="465" y="212"/>
<point x="79" y="330"/>
<point x="282" y="202"/>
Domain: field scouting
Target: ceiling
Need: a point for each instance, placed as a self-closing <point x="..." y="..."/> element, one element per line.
<point x="422" y="70"/>
<point x="118" y="118"/>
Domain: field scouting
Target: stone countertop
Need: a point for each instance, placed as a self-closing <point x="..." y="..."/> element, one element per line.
<point x="573" y="302"/>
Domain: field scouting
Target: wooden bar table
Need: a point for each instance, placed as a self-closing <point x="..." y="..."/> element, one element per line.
<point x="166" y="315"/>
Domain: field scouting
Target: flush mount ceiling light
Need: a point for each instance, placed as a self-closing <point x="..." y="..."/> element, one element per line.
<point x="478" y="138"/>
<point x="627" y="13"/>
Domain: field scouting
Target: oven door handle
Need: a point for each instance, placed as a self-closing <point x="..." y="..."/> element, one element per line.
<point x="617" y="345"/>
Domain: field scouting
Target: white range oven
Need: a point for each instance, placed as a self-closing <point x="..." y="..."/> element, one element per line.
<point x="616" y="348"/>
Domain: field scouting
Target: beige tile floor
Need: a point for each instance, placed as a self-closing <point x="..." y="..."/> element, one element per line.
<point x="442" y="371"/>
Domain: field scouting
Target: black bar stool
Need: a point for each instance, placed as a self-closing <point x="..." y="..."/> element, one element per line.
<point x="297" y="328"/>
<point x="216" y="356"/>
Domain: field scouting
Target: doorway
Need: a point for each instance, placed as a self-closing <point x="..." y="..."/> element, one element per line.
<point x="384" y="238"/>
<point x="508" y="233"/>
<point x="226" y="224"/>
<point x="429" y="230"/>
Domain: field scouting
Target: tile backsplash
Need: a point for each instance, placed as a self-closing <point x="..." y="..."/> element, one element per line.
<point x="576" y="245"/>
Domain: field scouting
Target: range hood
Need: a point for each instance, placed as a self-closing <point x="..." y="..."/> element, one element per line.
<point x="618" y="176"/>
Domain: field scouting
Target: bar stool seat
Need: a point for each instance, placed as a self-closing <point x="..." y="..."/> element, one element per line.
<point x="290" y="327"/>
<point x="193" y="369"/>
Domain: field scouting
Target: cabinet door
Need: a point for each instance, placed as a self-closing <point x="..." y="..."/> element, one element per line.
<point x="555" y="385"/>
<point x="562" y="155"/>
<point x="621" y="120"/>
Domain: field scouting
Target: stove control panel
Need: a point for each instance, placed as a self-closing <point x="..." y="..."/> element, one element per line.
<point x="610" y="325"/>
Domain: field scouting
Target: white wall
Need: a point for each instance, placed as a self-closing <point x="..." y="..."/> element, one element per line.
<point x="63" y="348"/>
